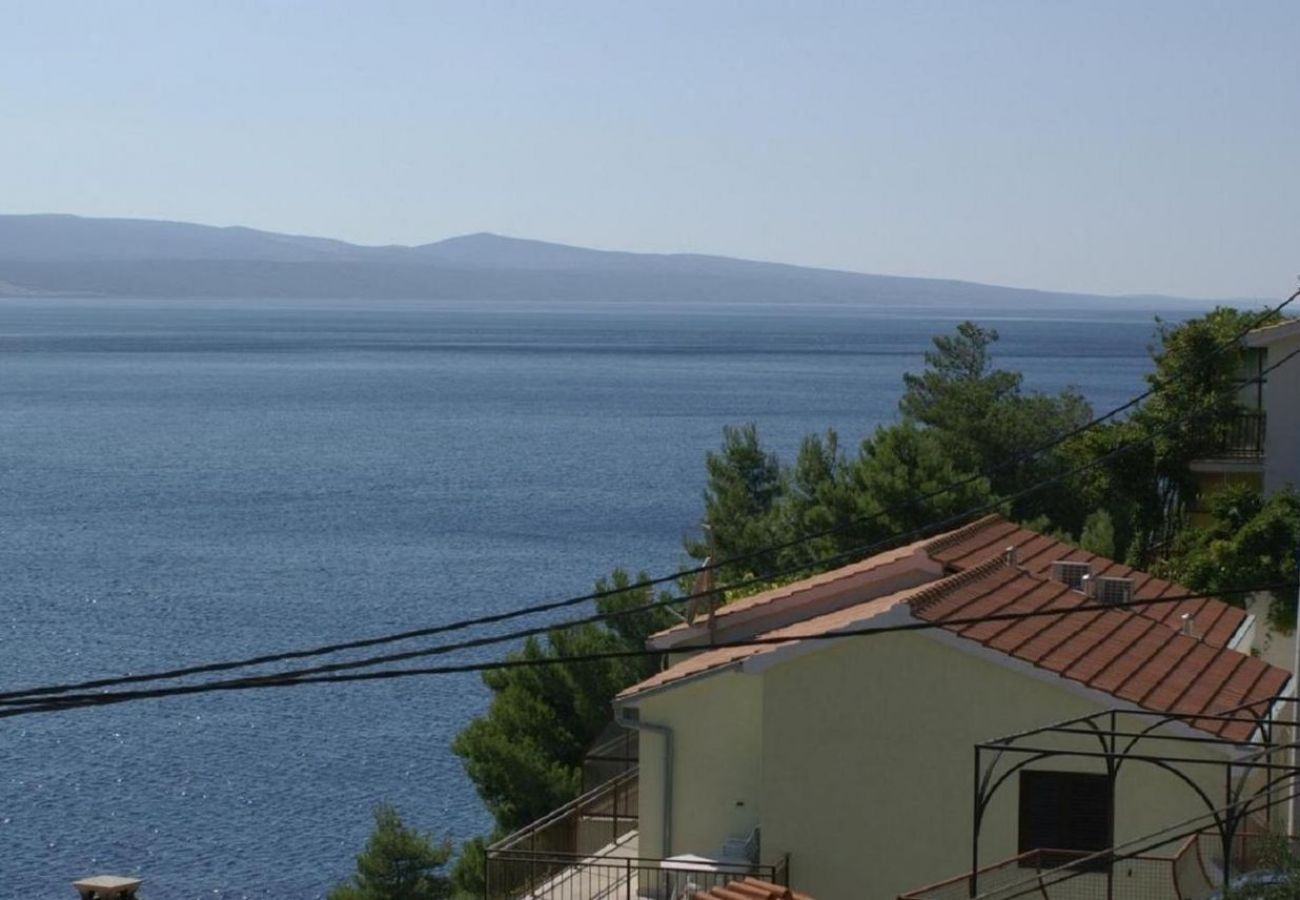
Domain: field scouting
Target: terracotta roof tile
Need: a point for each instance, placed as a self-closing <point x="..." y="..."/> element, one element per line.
<point x="750" y="889"/>
<point x="842" y="580"/>
<point x="964" y="548"/>
<point x="726" y="657"/>
<point x="1183" y="677"/>
<point x="1136" y="656"/>
<point x="987" y="538"/>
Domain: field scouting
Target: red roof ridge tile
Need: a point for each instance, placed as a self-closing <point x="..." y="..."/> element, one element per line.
<point x="787" y="592"/>
<point x="951" y="538"/>
<point x="928" y="594"/>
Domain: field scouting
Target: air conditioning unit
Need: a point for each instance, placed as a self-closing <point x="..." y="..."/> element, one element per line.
<point x="1071" y="573"/>
<point x="1113" y="590"/>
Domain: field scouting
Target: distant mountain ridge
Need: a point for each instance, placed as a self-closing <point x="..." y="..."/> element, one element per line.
<point x="72" y="255"/>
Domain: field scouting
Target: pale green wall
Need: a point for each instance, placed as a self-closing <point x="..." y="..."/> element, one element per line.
<point x="717" y="736"/>
<point x="868" y="764"/>
<point x="857" y="760"/>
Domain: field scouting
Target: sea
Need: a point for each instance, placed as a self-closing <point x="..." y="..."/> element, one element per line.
<point x="191" y="481"/>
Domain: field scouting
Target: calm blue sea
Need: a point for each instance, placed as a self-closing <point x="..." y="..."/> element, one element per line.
<point x="183" y="482"/>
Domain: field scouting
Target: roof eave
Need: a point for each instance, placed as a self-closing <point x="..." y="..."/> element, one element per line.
<point x="1262" y="337"/>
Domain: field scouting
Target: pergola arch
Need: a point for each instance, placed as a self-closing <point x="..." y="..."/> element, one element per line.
<point x="1120" y="745"/>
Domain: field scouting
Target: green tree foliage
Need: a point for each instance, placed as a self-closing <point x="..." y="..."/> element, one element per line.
<point x="1098" y="535"/>
<point x="744" y="485"/>
<point x="471" y="864"/>
<point x="900" y="467"/>
<point x="817" y="497"/>
<point x="961" y="416"/>
<point x="988" y="423"/>
<point x="524" y="755"/>
<point x="398" y="863"/>
<point x="1118" y="477"/>
<point x="1198" y="373"/>
<point x="1249" y="541"/>
<point x="1196" y="394"/>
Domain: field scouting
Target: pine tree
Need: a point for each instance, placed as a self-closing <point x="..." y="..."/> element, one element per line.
<point x="398" y="863"/>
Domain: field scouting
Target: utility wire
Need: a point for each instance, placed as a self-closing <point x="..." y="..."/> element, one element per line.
<point x="328" y="649"/>
<point x="29" y="696"/>
<point x="75" y="701"/>
<point x="17" y="698"/>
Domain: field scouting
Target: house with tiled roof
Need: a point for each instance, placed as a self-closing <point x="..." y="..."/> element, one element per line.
<point x="847" y="756"/>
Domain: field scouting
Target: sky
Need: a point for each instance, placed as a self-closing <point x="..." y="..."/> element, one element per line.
<point x="1113" y="147"/>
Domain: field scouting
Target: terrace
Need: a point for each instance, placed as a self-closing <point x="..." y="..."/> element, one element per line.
<point x="588" y="849"/>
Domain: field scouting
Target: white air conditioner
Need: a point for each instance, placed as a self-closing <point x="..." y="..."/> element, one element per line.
<point x="1071" y="573"/>
<point x="1114" y="590"/>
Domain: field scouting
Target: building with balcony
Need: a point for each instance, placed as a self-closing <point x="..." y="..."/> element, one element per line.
<point x="1261" y="446"/>
<point x="846" y="759"/>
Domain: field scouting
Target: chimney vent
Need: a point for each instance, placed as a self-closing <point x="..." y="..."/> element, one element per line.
<point x="107" y="887"/>
<point x="1010" y="555"/>
<point x="1189" y="625"/>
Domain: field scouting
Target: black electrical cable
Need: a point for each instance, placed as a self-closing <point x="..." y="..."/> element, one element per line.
<point x="77" y="701"/>
<point x="28" y="696"/>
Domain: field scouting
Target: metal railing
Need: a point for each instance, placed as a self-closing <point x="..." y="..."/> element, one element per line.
<point x="1241" y="437"/>
<point x="607" y="761"/>
<point x="538" y="876"/>
<point x="598" y="820"/>
<point x="1193" y="871"/>
<point x="600" y="817"/>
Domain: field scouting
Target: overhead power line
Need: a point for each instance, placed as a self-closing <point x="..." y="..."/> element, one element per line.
<point x="30" y="695"/>
<point x="328" y="649"/>
<point x="78" y="701"/>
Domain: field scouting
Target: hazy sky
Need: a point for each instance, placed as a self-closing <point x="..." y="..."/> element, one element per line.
<point x="1116" y="147"/>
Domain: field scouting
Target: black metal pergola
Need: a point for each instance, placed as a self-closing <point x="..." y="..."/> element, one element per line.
<point x="1121" y="736"/>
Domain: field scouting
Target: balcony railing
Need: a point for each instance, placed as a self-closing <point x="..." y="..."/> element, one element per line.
<point x="1193" y="870"/>
<point x="539" y="876"/>
<point x="1241" y="437"/>
<point x="589" y="849"/>
<point x="600" y="820"/>
<point x="1036" y="875"/>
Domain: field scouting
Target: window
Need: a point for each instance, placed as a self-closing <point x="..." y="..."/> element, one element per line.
<point x="1068" y="811"/>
